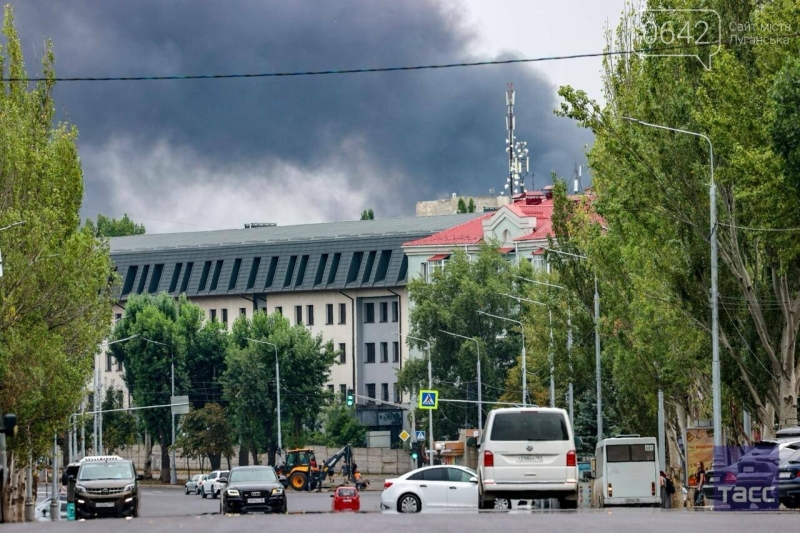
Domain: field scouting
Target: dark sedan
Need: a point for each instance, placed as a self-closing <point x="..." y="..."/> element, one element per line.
<point x="252" y="489"/>
<point x="789" y="482"/>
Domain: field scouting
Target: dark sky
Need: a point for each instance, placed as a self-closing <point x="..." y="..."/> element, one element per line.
<point x="181" y="155"/>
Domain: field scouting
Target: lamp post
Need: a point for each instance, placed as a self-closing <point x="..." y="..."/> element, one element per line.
<point x="478" y="350"/>
<point x="524" y="355"/>
<point x="570" y="393"/>
<point x="715" y="368"/>
<point x="550" y="313"/>
<point x="596" y="344"/>
<point x="97" y="441"/>
<point x="430" y="386"/>
<point x="278" y="390"/>
<point x="173" y="474"/>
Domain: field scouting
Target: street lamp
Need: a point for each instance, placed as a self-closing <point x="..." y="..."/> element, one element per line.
<point x="524" y="356"/>
<point x="430" y="386"/>
<point x="278" y="390"/>
<point x="478" y="350"/>
<point x="173" y="475"/>
<point x="596" y="343"/>
<point x="569" y="340"/>
<point x="98" y="402"/>
<point x="715" y="369"/>
<point x="1" y="253"/>
<point x="550" y="312"/>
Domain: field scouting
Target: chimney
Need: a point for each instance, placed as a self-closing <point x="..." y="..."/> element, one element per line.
<point x="548" y="192"/>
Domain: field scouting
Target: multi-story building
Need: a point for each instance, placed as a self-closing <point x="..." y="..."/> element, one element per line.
<point x="345" y="280"/>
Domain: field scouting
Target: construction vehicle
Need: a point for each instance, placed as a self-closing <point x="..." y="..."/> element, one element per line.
<point x="304" y="473"/>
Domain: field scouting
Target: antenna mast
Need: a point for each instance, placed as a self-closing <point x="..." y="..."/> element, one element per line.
<point x="518" y="161"/>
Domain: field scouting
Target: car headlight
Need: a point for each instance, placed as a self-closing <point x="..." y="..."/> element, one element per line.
<point x="128" y="487"/>
<point x="80" y="488"/>
<point x="277" y="491"/>
<point x="233" y="492"/>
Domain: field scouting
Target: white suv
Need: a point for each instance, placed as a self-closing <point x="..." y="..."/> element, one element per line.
<point x="527" y="453"/>
<point x="211" y="487"/>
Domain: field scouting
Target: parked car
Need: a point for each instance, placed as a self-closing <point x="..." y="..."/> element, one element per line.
<point x="42" y="509"/>
<point x="346" y="498"/>
<point x="211" y="487"/>
<point x="789" y="482"/>
<point x="430" y="488"/>
<point x="192" y="484"/>
<point x="200" y="484"/>
<point x="247" y="489"/>
<point x="525" y="443"/>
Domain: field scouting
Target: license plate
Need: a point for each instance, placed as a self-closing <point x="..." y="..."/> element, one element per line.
<point x="785" y="475"/>
<point x="104" y="504"/>
<point x="748" y="469"/>
<point x="529" y="458"/>
<point x="631" y="500"/>
<point x="347" y="500"/>
<point x="255" y="500"/>
<point x="714" y="480"/>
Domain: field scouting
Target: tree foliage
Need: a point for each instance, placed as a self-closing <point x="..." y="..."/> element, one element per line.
<point x="208" y="432"/>
<point x="119" y="428"/>
<point x="112" y="227"/>
<point x="367" y="214"/>
<point x="462" y="206"/>
<point x="340" y="427"/>
<point x="55" y="292"/>
<point x="651" y="189"/>
<point x="471" y="206"/>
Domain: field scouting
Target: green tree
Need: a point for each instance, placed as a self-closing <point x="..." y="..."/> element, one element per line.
<point x="55" y="292"/>
<point x="148" y="366"/>
<point x="462" y="206"/>
<point x="208" y="432"/>
<point x="471" y="206"/>
<point x="111" y="227"/>
<point x="449" y="302"/>
<point x="119" y="428"/>
<point x="367" y="214"/>
<point x="204" y="343"/>
<point x="305" y="363"/>
<point x="340" y="427"/>
<point x="651" y="189"/>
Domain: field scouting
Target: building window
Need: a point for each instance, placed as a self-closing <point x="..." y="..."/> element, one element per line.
<point x="369" y="313"/>
<point x="385" y="392"/>
<point x="384" y="352"/>
<point x="384" y="311"/>
<point x="119" y="365"/>
<point x="342" y="313"/>
<point x="213" y="315"/>
<point x="342" y="391"/>
<point x="371" y="390"/>
<point x="109" y="364"/>
<point x="423" y="270"/>
<point x="398" y="397"/>
<point x="395" y="311"/>
<point x="279" y="310"/>
<point x="242" y="311"/>
<point x="117" y="317"/>
<point x="225" y="316"/>
<point x="370" y="352"/>
<point x="329" y="314"/>
<point x="342" y="352"/>
<point x="298" y="314"/>
<point x="330" y="390"/>
<point x="310" y="315"/>
<point x="395" y="352"/>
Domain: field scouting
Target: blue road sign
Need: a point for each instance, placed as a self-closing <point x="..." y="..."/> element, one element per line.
<point x="428" y="399"/>
<point x="420" y="435"/>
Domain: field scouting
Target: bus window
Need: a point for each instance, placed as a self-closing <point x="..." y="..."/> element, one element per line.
<point x="643" y="452"/>
<point x="618" y="453"/>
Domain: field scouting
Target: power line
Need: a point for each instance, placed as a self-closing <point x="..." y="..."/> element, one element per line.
<point x="757" y="229"/>
<point x="384" y="69"/>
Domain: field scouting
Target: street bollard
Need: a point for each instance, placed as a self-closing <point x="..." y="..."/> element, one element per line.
<point x="71" y="498"/>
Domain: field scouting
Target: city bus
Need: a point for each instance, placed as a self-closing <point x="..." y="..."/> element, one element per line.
<point x="625" y="471"/>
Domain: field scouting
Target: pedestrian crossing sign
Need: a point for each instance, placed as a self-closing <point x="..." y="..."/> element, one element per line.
<point x="428" y="399"/>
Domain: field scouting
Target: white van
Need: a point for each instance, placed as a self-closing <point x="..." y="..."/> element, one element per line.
<point x="527" y="453"/>
<point x="626" y="472"/>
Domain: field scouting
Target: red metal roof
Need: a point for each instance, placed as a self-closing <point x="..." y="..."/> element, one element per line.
<point x="467" y="233"/>
<point x="506" y="250"/>
<point x="438" y="257"/>
<point x="542" y="231"/>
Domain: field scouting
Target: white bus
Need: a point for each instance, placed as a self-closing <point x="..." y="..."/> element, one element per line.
<point x="625" y="470"/>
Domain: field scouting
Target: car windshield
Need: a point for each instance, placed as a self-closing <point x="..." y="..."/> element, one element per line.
<point x="96" y="471"/>
<point x="253" y="474"/>
<point x="347" y="492"/>
<point x="529" y="425"/>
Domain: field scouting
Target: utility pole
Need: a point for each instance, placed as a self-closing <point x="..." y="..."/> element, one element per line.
<point x="524" y="354"/>
<point x="662" y="434"/>
<point x="54" y="502"/>
<point x="597" y="361"/>
<point x="430" y="386"/>
<point x="277" y="388"/>
<point x="478" y="351"/>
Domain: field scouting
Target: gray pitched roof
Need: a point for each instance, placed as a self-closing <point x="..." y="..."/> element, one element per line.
<point x="275" y="234"/>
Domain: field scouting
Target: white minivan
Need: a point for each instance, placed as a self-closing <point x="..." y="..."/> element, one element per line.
<point x="527" y="453"/>
<point x="626" y="472"/>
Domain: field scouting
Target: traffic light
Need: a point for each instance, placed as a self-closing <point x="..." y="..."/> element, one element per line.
<point x="414" y="451"/>
<point x="351" y="398"/>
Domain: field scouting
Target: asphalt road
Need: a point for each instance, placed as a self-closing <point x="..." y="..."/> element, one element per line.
<point x="167" y="510"/>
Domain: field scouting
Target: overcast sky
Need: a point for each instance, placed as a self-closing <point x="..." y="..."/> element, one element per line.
<point x="189" y="155"/>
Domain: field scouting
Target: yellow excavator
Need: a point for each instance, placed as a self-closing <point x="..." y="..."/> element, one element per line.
<point x="302" y="471"/>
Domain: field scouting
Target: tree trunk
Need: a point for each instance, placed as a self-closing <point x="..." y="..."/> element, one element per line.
<point x="244" y="455"/>
<point x="768" y="422"/>
<point x="164" y="475"/>
<point x="787" y="414"/>
<point x="254" y="451"/>
<point x="214" y="459"/>
<point x="271" y="454"/>
<point x="228" y="461"/>
<point x="148" y="456"/>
